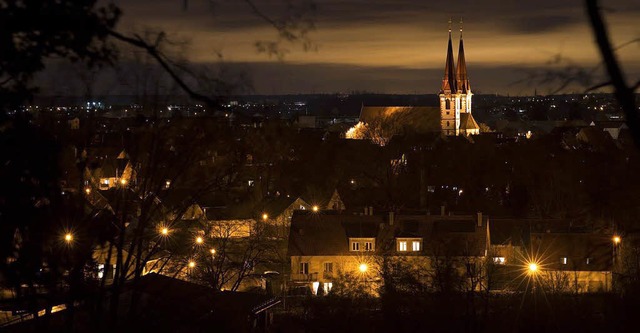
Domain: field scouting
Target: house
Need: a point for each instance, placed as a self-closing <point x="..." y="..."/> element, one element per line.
<point x="574" y="262"/>
<point x="328" y="246"/>
<point x="569" y="256"/>
<point x="109" y="168"/>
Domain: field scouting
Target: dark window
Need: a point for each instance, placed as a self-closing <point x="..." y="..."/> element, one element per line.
<point x="447" y="104"/>
<point x="304" y="268"/>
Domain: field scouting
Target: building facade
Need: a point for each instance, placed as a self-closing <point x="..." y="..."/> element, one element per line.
<point x="455" y="95"/>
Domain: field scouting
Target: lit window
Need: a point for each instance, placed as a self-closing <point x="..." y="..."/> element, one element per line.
<point x="328" y="267"/>
<point x="327" y="287"/>
<point x="100" y="271"/>
<point x="563" y="260"/>
<point x="499" y="260"/>
<point x="355" y="246"/>
<point x="402" y="246"/>
<point x="304" y="268"/>
<point x="589" y="261"/>
<point x="368" y="246"/>
<point x="415" y="246"/>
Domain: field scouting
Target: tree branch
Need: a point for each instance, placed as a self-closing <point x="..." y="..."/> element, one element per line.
<point x="623" y="94"/>
<point x="153" y="51"/>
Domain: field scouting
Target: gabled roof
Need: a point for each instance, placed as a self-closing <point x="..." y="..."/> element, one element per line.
<point x="577" y="248"/>
<point x="467" y="122"/>
<point x="276" y="206"/>
<point x="328" y="233"/>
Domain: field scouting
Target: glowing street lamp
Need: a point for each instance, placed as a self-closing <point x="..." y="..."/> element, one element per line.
<point x="192" y="264"/>
<point x="164" y="231"/>
<point x="87" y="190"/>
<point x="213" y="251"/>
<point x="265" y="216"/>
<point x="616" y="240"/>
<point x="315" y="208"/>
<point x="123" y="181"/>
<point x="363" y="268"/>
<point x="533" y="268"/>
<point x="199" y="240"/>
<point x="68" y="237"/>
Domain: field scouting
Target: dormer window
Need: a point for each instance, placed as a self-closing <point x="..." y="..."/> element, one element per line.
<point x="409" y="244"/>
<point x="362" y="244"/>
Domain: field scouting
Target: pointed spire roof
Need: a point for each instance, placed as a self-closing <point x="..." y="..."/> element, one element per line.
<point x="449" y="79"/>
<point x="461" y="72"/>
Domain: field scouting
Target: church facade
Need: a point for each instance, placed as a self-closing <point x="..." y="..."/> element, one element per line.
<point x="455" y="95"/>
<point x="453" y="117"/>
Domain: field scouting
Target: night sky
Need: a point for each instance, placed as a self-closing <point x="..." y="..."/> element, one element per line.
<point x="393" y="46"/>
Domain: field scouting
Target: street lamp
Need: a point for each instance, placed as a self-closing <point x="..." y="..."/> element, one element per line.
<point x="213" y="251"/>
<point x="315" y="208"/>
<point x="265" y="216"/>
<point x="199" y="240"/>
<point x="87" y="190"/>
<point x="616" y="240"/>
<point x="533" y="268"/>
<point x="164" y="231"/>
<point x="363" y="268"/>
<point x="192" y="264"/>
<point x="68" y="237"/>
<point x="123" y="181"/>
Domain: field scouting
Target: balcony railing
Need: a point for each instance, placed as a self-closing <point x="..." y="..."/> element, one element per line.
<point x="304" y="277"/>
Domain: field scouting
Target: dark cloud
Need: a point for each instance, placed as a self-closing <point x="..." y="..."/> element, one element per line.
<point x="390" y="45"/>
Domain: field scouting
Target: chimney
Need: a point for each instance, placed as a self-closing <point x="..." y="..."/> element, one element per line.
<point x="479" y="219"/>
<point x="391" y="218"/>
<point x="442" y="210"/>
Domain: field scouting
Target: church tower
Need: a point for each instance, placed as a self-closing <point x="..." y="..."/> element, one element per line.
<point x="455" y="94"/>
<point x="464" y="89"/>
<point x="449" y="97"/>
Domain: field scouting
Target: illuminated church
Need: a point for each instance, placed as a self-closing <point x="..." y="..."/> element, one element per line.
<point x="453" y="117"/>
<point x="455" y="95"/>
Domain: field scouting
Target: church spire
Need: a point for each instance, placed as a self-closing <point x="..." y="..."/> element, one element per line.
<point x="449" y="80"/>
<point x="461" y="73"/>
